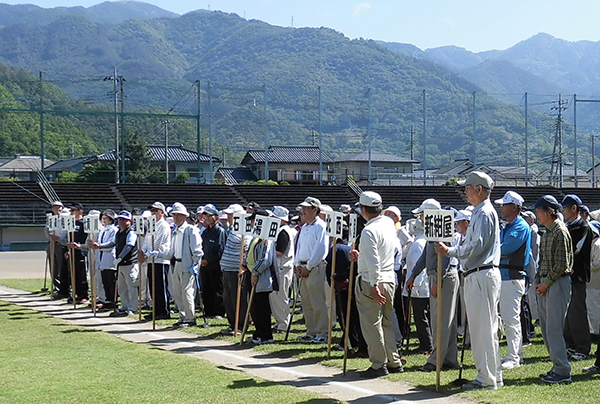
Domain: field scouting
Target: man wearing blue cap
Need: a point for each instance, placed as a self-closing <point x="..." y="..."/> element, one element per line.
<point x="577" y="328"/>
<point x="515" y="250"/>
<point x="480" y="256"/>
<point x="553" y="286"/>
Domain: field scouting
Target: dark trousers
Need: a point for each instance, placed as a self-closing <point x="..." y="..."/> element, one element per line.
<point x="61" y="270"/>
<point x="109" y="281"/>
<point x="81" y="283"/>
<point x="355" y="335"/>
<point x="230" y="282"/>
<point x="261" y="314"/>
<point x="577" y="327"/>
<point x="527" y="328"/>
<point x="421" y="316"/>
<point x="212" y="290"/>
<point x="160" y="298"/>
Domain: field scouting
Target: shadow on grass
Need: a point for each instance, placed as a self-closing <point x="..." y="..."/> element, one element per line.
<point x="80" y="330"/>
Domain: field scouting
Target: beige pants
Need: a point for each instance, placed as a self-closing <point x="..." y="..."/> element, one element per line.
<point x="376" y="325"/>
<point x="183" y="287"/>
<point x="280" y="303"/>
<point x="314" y="302"/>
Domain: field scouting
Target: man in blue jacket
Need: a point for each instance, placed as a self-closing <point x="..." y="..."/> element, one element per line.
<point x="515" y="247"/>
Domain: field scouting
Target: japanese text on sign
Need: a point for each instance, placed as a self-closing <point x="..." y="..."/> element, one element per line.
<point x="335" y="224"/>
<point x="266" y="227"/>
<point x="151" y="224"/>
<point x="68" y="223"/>
<point x="438" y="225"/>
<point x="91" y="224"/>
<point x="352" y="226"/>
<point x="238" y="223"/>
<point x="53" y="223"/>
<point x="138" y="224"/>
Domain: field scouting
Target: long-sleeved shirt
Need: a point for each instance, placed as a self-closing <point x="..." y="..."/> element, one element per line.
<point x="421" y="282"/>
<point x="481" y="245"/>
<point x="556" y="253"/>
<point x="378" y="246"/>
<point x="230" y="260"/>
<point x="515" y="238"/>
<point x="186" y="245"/>
<point x="213" y="244"/>
<point x="313" y="244"/>
<point x="428" y="260"/>
<point x="162" y="241"/>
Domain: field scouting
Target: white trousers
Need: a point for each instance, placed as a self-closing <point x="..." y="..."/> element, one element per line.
<point x="482" y="294"/>
<point x="511" y="294"/>
<point x="128" y="286"/>
<point x="280" y="302"/>
<point x="183" y="287"/>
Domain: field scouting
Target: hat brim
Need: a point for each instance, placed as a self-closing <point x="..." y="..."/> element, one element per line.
<point x="306" y="205"/>
<point x="461" y="182"/>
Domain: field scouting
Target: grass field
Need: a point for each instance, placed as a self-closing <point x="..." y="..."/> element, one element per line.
<point x="46" y="360"/>
<point x="522" y="385"/>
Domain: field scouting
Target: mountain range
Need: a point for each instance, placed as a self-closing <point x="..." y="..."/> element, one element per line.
<point x="367" y="87"/>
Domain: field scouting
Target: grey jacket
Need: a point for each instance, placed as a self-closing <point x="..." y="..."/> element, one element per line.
<point x="191" y="250"/>
<point x="264" y="257"/>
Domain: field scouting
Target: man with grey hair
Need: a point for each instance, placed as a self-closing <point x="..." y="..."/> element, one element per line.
<point x="375" y="286"/>
<point x="480" y="256"/>
<point x="309" y="264"/>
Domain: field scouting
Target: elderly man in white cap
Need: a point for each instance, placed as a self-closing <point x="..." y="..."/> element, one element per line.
<point x="515" y="250"/>
<point x="309" y="264"/>
<point x="161" y="243"/>
<point x="480" y="255"/>
<point x="284" y="250"/>
<point x="60" y="269"/>
<point x="450" y="284"/>
<point x="375" y="286"/>
<point x="230" y="265"/>
<point x="185" y="253"/>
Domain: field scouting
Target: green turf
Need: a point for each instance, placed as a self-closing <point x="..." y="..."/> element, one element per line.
<point x="522" y="385"/>
<point x="46" y="360"/>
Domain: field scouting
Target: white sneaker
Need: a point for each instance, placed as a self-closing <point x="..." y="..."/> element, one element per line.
<point x="508" y="364"/>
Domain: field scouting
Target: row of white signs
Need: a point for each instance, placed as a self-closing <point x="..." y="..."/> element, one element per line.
<point x="438" y="225"/>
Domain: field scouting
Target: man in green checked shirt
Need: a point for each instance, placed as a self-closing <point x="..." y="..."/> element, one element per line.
<point x="553" y="286"/>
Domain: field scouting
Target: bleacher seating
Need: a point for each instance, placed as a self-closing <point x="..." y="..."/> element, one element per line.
<point x="291" y="195"/>
<point x="22" y="203"/>
<point x="91" y="196"/>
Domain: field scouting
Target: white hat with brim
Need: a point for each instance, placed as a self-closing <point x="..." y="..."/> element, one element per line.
<point x="428" y="204"/>
<point x="510" y="197"/>
<point x="234" y="208"/>
<point x="463" y="215"/>
<point x="179" y="209"/>
<point x="370" y="199"/>
<point x="281" y="213"/>
<point x="394" y="210"/>
<point x="310" y="202"/>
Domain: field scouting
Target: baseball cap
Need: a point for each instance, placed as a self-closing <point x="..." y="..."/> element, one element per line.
<point x="428" y="204"/>
<point x="326" y="208"/>
<point x="510" y="197"/>
<point x="394" y="210"/>
<point x="463" y="214"/>
<point x="281" y="213"/>
<point x="345" y="208"/>
<point x="94" y="212"/>
<point x="253" y="205"/>
<point x="179" y="208"/>
<point x="311" y="202"/>
<point x="370" y="198"/>
<point x="234" y="208"/>
<point x="57" y="203"/>
<point x="76" y="206"/>
<point x="595" y="226"/>
<point x="546" y="200"/>
<point x="571" y="200"/>
<point x="478" y="178"/>
<point x="124" y="215"/>
<point x="158" y="205"/>
<point x="529" y="214"/>
<point x="210" y="210"/>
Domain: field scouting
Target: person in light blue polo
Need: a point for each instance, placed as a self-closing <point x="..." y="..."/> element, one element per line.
<point x="515" y="248"/>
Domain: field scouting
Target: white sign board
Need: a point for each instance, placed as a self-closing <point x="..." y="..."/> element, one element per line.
<point x="266" y="227"/>
<point x="67" y="223"/>
<point x="91" y="224"/>
<point x="53" y="222"/>
<point x="335" y="224"/>
<point x="246" y="225"/>
<point x="138" y="225"/>
<point x="238" y="223"/>
<point x="151" y="224"/>
<point x="438" y="225"/>
<point x="352" y="227"/>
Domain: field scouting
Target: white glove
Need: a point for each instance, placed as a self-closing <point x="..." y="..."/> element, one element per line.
<point x="117" y="261"/>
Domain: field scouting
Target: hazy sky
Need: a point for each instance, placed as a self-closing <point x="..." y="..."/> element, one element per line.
<point x="476" y="25"/>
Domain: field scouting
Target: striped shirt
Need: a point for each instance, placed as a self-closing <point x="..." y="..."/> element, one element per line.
<point x="556" y="253"/>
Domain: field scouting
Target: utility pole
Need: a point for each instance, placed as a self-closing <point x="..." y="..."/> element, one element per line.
<point x="266" y="134"/>
<point x="474" y="140"/>
<point x="210" y="134"/>
<point x="121" y="82"/>
<point x="575" y="140"/>
<point x="198" y="130"/>
<point x="166" y="123"/>
<point x="320" y="135"/>
<point x="593" y="160"/>
<point x="114" y="79"/>
<point x="412" y="147"/>
<point x="370" y="135"/>
<point x="42" y="134"/>
<point x="526" y="144"/>
<point x="424" y="159"/>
